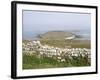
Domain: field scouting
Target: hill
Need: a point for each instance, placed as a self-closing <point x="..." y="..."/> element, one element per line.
<point x="57" y="35"/>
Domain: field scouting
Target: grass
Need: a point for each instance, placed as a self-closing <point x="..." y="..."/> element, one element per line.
<point x="64" y="43"/>
<point x="36" y="62"/>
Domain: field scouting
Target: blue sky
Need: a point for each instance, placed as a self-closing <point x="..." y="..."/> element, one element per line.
<point x="45" y="21"/>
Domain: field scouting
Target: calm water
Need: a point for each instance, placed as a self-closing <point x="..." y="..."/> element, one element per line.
<point x="84" y="34"/>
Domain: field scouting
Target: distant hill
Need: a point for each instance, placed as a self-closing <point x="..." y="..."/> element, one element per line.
<point x="57" y="35"/>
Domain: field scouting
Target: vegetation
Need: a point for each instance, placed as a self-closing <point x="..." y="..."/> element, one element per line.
<point x="65" y="43"/>
<point x="56" y="35"/>
<point x="57" y="39"/>
<point x="53" y="39"/>
<point x="34" y="61"/>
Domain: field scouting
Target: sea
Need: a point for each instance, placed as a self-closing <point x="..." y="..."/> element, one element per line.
<point x="81" y="34"/>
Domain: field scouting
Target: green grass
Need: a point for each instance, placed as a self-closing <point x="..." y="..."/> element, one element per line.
<point x="35" y="62"/>
<point x="64" y="43"/>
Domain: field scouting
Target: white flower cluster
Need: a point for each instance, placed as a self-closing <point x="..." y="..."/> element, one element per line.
<point x="50" y="51"/>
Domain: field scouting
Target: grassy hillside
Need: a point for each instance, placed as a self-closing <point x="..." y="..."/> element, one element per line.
<point x="35" y="62"/>
<point x="56" y="39"/>
<point x="64" y="43"/>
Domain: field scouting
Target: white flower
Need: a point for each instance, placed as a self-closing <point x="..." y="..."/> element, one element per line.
<point x="59" y="57"/>
<point x="62" y="60"/>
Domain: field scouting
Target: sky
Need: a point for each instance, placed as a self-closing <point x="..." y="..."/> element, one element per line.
<point x="46" y="21"/>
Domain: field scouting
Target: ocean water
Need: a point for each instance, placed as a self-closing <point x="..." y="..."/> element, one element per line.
<point x="31" y="35"/>
<point x="82" y="34"/>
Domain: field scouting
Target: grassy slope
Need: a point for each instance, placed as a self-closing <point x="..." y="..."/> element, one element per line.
<point x="64" y="43"/>
<point x="34" y="62"/>
<point x="57" y="39"/>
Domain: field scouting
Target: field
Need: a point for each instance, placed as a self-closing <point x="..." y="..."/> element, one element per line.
<point x="35" y="61"/>
<point x="67" y="43"/>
